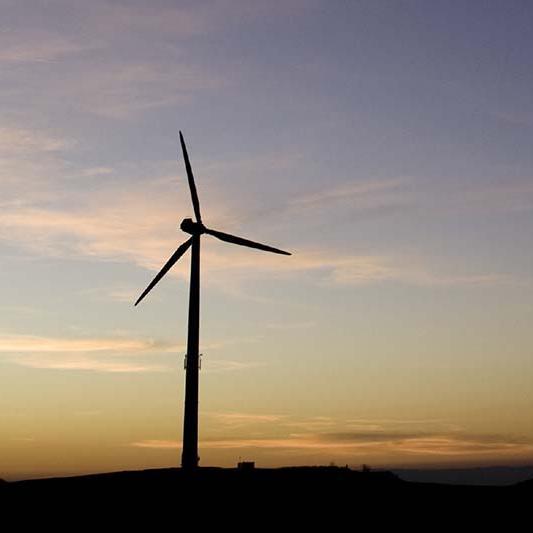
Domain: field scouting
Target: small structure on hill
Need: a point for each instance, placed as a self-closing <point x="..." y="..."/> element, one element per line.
<point x="246" y="466"/>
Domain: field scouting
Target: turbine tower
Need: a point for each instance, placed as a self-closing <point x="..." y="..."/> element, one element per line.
<point x="189" y="457"/>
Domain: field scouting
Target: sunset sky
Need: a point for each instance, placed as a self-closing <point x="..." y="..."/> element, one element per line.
<point x="386" y="143"/>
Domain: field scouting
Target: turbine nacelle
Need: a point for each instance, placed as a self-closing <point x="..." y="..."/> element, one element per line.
<point x="192" y="228"/>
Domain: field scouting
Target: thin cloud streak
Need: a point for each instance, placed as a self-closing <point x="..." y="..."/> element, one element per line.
<point x="126" y="91"/>
<point x="87" y="354"/>
<point x="26" y="142"/>
<point x="30" y="343"/>
<point x="215" y="366"/>
<point x="359" y="193"/>
<point x="27" y="47"/>
<point x="104" y="75"/>
<point x="135" y="230"/>
<point x="243" y="419"/>
<point x="85" y="363"/>
<point x="391" y="445"/>
<point x="107" y="354"/>
<point x="291" y="325"/>
<point x="113" y="294"/>
<point x="115" y="363"/>
<point x="328" y="437"/>
<point x="112" y="233"/>
<point x="32" y="166"/>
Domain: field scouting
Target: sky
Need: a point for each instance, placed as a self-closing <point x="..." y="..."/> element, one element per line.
<point x="386" y="144"/>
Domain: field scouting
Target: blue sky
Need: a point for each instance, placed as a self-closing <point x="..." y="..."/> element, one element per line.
<point x="386" y="144"/>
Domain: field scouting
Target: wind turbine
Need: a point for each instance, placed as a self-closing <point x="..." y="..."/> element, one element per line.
<point x="189" y="457"/>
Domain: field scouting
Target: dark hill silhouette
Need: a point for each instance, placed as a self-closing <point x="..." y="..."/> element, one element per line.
<point x="324" y="498"/>
<point x="487" y="475"/>
<point x="525" y="486"/>
<point x="324" y="484"/>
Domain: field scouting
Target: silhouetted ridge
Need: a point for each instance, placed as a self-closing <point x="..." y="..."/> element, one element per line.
<point x="304" y="492"/>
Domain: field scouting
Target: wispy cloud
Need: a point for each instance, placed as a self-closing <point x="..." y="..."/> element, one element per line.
<point x="117" y="89"/>
<point x="157" y="444"/>
<point x="179" y="20"/>
<point x="507" y="196"/>
<point x="431" y="425"/>
<point x="358" y="194"/>
<point x="243" y="419"/>
<point x="113" y="294"/>
<point x="83" y="362"/>
<point x="291" y="325"/>
<point x="394" y="448"/>
<point x="25" y="142"/>
<point x="99" y="66"/>
<point x="521" y="118"/>
<point x="113" y="225"/>
<point x="326" y="438"/>
<point x="111" y="362"/>
<point x="96" y="171"/>
<point x="30" y="343"/>
<point x="112" y="354"/>
<point x="32" y="165"/>
<point x="135" y="230"/>
<point x="225" y="365"/>
<point x="124" y="91"/>
<point x="93" y="354"/>
<point x="36" y="46"/>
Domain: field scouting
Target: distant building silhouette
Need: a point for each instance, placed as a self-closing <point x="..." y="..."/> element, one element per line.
<point x="246" y="465"/>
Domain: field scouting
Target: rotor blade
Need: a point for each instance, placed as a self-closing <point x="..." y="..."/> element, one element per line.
<point x="190" y="177"/>
<point x="243" y="242"/>
<point x="168" y="265"/>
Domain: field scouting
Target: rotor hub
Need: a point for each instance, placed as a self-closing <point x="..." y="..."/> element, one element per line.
<point x="193" y="228"/>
